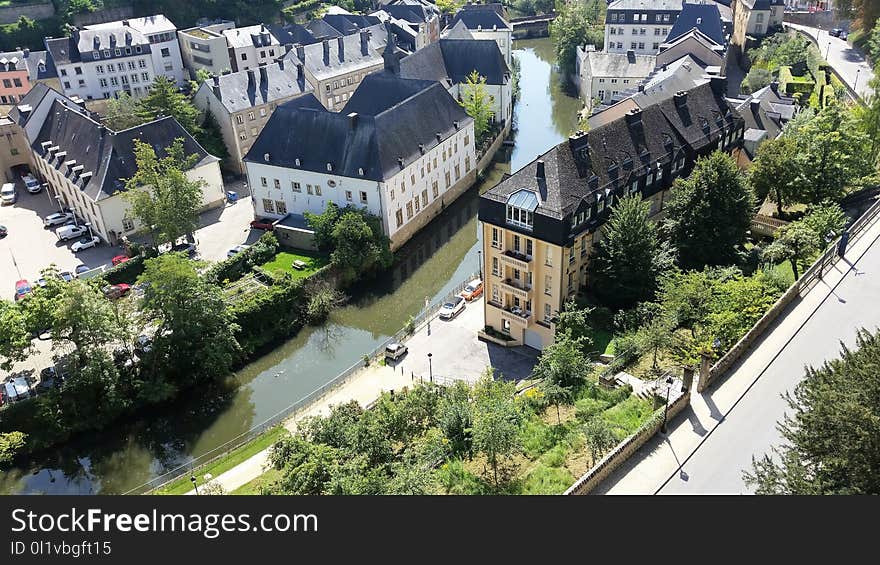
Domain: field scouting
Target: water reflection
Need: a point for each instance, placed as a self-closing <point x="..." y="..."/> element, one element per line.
<point x="436" y="260"/>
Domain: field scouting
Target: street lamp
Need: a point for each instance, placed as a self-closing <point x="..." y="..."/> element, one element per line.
<point x="666" y="406"/>
<point x="828" y="50"/>
<point x="480" y="262"/>
<point x="430" y="369"/>
<point x="856" y="82"/>
<point x="89" y="225"/>
<point x="192" y="478"/>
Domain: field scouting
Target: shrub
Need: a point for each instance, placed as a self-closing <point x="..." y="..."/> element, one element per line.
<point x="269" y="315"/>
<point x="555" y="457"/>
<point x="586" y="408"/>
<point x="547" y="480"/>
<point x="235" y="267"/>
<point x="626" y="417"/>
<point x="127" y="272"/>
<point x="537" y="437"/>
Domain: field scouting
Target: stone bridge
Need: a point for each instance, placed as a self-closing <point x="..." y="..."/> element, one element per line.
<point x="532" y="26"/>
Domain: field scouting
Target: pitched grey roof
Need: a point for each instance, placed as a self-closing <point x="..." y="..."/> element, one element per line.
<point x="255" y="87"/>
<point x="694" y="43"/>
<point x="454" y="60"/>
<point x="393" y="117"/>
<point x="762" y="4"/>
<point x="109" y="38"/>
<point x="346" y="24"/>
<point x="604" y="64"/>
<point x="250" y="36"/>
<point x="322" y="30"/>
<point x="288" y="34"/>
<point x="479" y="17"/>
<point x="458" y="31"/>
<point x="353" y="55"/>
<point x="107" y="155"/>
<point x="704" y="17"/>
<point x="664" y="5"/>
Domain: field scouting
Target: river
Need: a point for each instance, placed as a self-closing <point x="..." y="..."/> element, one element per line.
<point x="430" y="265"/>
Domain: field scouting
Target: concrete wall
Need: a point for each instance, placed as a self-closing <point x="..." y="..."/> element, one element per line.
<point x="103" y="16"/>
<point x="296" y="238"/>
<point x="824" y="20"/>
<point x="36" y="11"/>
<point x="624" y="449"/>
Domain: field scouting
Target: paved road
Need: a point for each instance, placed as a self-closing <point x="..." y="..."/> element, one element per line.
<point x="846" y="59"/>
<point x="749" y="428"/>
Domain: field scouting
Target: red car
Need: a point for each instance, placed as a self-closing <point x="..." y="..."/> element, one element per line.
<point x="119" y="259"/>
<point x="22" y="287"/>
<point x="263" y="224"/>
<point x="114" y="291"/>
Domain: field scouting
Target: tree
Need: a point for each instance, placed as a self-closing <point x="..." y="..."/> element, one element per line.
<point x="772" y="174"/>
<point x="710" y="212"/>
<point x="686" y="297"/>
<point x="599" y="437"/>
<point x="164" y="99"/>
<point x="10" y="444"/>
<point x="306" y="467"/>
<point x="15" y="339"/>
<point x="797" y="241"/>
<point x="575" y="322"/>
<point x="656" y="336"/>
<point x="563" y="369"/>
<point x="832" y="153"/>
<point x="163" y="199"/>
<point x="323" y="224"/>
<point x="449" y="6"/>
<point x="826" y="219"/>
<point x="122" y="113"/>
<point x="569" y="30"/>
<point x="323" y="298"/>
<point x="629" y="257"/>
<point x="497" y="418"/>
<point x="84" y="318"/>
<point x="475" y="101"/>
<point x="455" y="418"/>
<point x="358" y="246"/>
<point x="210" y="137"/>
<point x="868" y="115"/>
<point x="832" y="421"/>
<point x="756" y="79"/>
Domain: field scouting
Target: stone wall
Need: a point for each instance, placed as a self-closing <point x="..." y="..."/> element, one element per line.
<point x="39" y="10"/>
<point x="486" y="160"/>
<point x="105" y="15"/>
<point x="627" y="447"/>
<point x="823" y="20"/>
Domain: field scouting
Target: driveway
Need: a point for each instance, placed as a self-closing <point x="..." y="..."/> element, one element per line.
<point x="456" y="353"/>
<point x="848" y="61"/>
<point x="30" y="248"/>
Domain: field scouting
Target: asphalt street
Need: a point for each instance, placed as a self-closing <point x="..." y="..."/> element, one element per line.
<point x="749" y="428"/>
<point x="849" y="62"/>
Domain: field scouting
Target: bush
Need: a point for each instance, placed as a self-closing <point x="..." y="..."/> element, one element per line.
<point x="127" y="272"/>
<point x="269" y="315"/>
<point x="537" y="437"/>
<point x="586" y="408"/>
<point x="555" y="457"/>
<point x="547" y="480"/>
<point x="238" y="265"/>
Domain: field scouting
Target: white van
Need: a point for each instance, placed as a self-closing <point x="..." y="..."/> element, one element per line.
<point x="65" y="233"/>
<point x="8" y="194"/>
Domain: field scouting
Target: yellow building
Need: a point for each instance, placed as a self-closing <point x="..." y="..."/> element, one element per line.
<point x="541" y="224"/>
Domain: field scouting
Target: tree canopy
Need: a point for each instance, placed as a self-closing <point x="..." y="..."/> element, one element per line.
<point x="476" y="103"/>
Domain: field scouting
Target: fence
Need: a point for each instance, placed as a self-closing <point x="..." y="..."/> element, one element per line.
<point x="766" y="225"/>
<point x="224" y="449"/>
<point x="805" y="282"/>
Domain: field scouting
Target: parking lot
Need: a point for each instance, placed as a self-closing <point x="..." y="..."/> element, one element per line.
<point x="30" y="248"/>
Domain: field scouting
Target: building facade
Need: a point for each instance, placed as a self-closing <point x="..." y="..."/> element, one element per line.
<point x="205" y="48"/>
<point x="243" y="102"/>
<point x="541" y="224"/>
<point x="487" y="22"/>
<point x="755" y="18"/>
<point x="639" y="25"/>
<point x="421" y="15"/>
<point x="103" y="60"/>
<point x="603" y="76"/>
<point x="252" y="46"/>
<point x="402" y="149"/>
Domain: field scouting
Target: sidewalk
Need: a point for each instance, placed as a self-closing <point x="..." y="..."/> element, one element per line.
<point x="659" y="459"/>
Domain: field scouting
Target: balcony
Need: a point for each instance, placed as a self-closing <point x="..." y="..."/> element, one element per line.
<point x="517" y="288"/>
<point x="516" y="260"/>
<point x="514" y="315"/>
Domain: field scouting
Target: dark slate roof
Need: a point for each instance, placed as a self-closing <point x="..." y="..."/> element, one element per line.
<point x="255" y="87"/>
<point x="346" y="24"/>
<point x="704" y="17"/>
<point x="648" y="5"/>
<point x="288" y="34"/>
<point x="108" y="155"/>
<point x="30" y="60"/>
<point x="454" y="59"/>
<point x="394" y="116"/>
<point x="33" y="99"/>
<point x="475" y="17"/>
<point x="63" y="50"/>
<point x="699" y="116"/>
<point x="762" y="4"/>
<point x="408" y="13"/>
<point x="322" y="30"/>
<point x="352" y="56"/>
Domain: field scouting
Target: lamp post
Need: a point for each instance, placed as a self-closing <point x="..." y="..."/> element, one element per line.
<point x="89" y="225"/>
<point x="828" y="50"/>
<point x="856" y="82"/>
<point x="430" y="369"/>
<point x="480" y="262"/>
<point x="192" y="478"/>
<point x="666" y="406"/>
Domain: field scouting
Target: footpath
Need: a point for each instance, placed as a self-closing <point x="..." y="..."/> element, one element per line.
<point x="659" y="459"/>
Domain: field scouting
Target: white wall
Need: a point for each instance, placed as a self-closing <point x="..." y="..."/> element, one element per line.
<point x="503" y="37"/>
<point x="654" y="33"/>
<point x="176" y="72"/>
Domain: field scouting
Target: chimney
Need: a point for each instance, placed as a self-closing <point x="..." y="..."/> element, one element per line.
<point x="26" y="51"/>
<point x="216" y="80"/>
<point x="125" y="23"/>
<point x="252" y="78"/>
<point x="680" y="98"/>
<point x="634" y="116"/>
<point x="365" y="42"/>
<point x="326" y="44"/>
<point x="353" y="120"/>
<point x="300" y="53"/>
<point x="216" y="90"/>
<point x="340" y="44"/>
<point x="439" y="137"/>
<point x="719" y="85"/>
<point x="392" y="63"/>
<point x="539" y="170"/>
<point x="281" y="64"/>
<point x="641" y="87"/>
<point x="755" y="105"/>
<point x="299" y="73"/>
<point x="264" y="75"/>
<point x="422" y="148"/>
<point x="774" y="86"/>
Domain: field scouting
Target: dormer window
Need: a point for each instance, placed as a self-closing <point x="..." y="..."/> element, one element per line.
<point x="521" y="206"/>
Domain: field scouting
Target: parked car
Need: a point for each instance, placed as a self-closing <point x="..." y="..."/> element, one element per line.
<point x="114" y="291"/>
<point x="8" y="194"/>
<point x="57" y="219"/>
<point x="188" y="248"/>
<point x="835" y="32"/>
<point x="22" y="287"/>
<point x="85" y="243"/>
<point x="236" y="250"/>
<point x="451" y="309"/>
<point x="119" y="259"/>
<point x="66" y="276"/>
<point x="3" y="231"/>
<point x="80" y="269"/>
<point x="843" y="35"/>
<point x="394" y="351"/>
<point x="473" y="290"/>
<point x="263" y="224"/>
<point x="56" y="374"/>
<point x="66" y="233"/>
<point x="31" y="184"/>
<point x="42" y="281"/>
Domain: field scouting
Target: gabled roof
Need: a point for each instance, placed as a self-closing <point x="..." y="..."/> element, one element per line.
<point x="29" y="60"/>
<point x="393" y="116"/>
<point x="352" y="56"/>
<point x="623" y="65"/>
<point x="346" y="24"/>
<point x="762" y="4"/>
<point x="455" y="59"/>
<point x="255" y="87"/>
<point x="704" y="17"/>
<point x="250" y="36"/>
<point x="288" y="34"/>
<point x="694" y="43"/>
<point x="147" y="25"/>
<point x="107" y="155"/>
<point x="322" y="30"/>
<point x="458" y="31"/>
<point x="480" y="18"/>
<point x="660" y="5"/>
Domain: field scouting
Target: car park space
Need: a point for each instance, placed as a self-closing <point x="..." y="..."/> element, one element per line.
<point x="29" y="246"/>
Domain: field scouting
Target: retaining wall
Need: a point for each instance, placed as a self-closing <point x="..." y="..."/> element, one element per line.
<point x="102" y="16"/>
<point x="36" y="11"/>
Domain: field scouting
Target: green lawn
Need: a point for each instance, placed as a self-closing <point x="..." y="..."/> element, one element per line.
<point x="246" y="451"/>
<point x="283" y="263"/>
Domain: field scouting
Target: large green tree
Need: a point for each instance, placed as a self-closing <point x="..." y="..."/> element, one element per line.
<point x="11" y="443"/>
<point x="710" y="212"/>
<point x="122" y="112"/>
<point x="868" y="115"/>
<point x="831" y="430"/>
<point x="570" y="29"/>
<point x="163" y="198"/>
<point x="476" y="103"/>
<point x="165" y="99"/>
<point x="563" y="369"/>
<point x="15" y="339"/>
<point x="359" y="245"/>
<point x="772" y="175"/>
<point x="629" y="257"/>
<point x="496" y="421"/>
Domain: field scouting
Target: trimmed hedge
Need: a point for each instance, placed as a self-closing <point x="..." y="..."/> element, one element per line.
<point x="238" y="265"/>
<point x="270" y="315"/>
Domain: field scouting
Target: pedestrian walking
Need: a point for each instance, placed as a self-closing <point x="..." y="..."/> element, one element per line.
<point x="841" y="245"/>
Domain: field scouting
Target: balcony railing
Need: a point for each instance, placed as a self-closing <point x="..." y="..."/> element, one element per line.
<point x="518" y="284"/>
<point x="517" y="260"/>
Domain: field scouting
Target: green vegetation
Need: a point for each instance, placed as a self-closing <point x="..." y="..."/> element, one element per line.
<point x="283" y="263"/>
<point x="577" y="24"/>
<point x="475" y="101"/>
<point x="353" y="238"/>
<point x="831" y="419"/>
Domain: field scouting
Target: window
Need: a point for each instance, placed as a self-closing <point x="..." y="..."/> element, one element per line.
<point x="409" y="210"/>
<point x="318" y="189"/>
<point x="103" y="82"/>
<point x="457" y="172"/>
<point x="620" y="45"/>
<point x="425" y="197"/>
<point x="145" y="77"/>
<point x="106" y="53"/>
<point x="601" y="80"/>
<point x="655" y="46"/>
<point x="435" y="189"/>
<point x="77" y="70"/>
<point x="348" y="195"/>
<point x="131" y="65"/>
<point x="399" y="216"/>
<point x="239" y="119"/>
<point x="416" y="202"/>
<point x="309" y="189"/>
<point x="99" y="69"/>
<point x="263" y="181"/>
<point x="120" y="67"/>
<point x="271" y="52"/>
<point x="281" y="206"/>
<point x="665" y="17"/>
<point x="64" y="72"/>
<point x="244" y="56"/>
<point x="134" y="78"/>
<point x="138" y="49"/>
<point x="127" y="224"/>
<point x="254" y="132"/>
<point x="278" y="184"/>
<point x="268" y="206"/>
<point x="495" y="241"/>
<point x="448" y="182"/>
<point x="759" y="17"/>
<point x="142" y="64"/>
<point x="118" y="52"/>
<point x="467" y="164"/>
<point x="296" y="186"/>
<point x="262" y="112"/>
<point x="571" y="255"/>
<point x="251" y="116"/>
<point x="614" y="81"/>
<point x="412" y="179"/>
<point x="633" y="45"/>
<point x="547" y="313"/>
<point x="114" y="81"/>
<point x="641" y="45"/>
<point x="601" y="95"/>
<point x="262" y="54"/>
<point x="613" y="17"/>
<point x="123" y="78"/>
<point x="642" y="31"/>
<point x="614" y="31"/>
<point x="363" y="197"/>
<point x="495" y="266"/>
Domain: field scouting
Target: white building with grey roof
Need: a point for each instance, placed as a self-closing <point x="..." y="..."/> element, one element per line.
<point x="402" y="149"/>
<point x="639" y="25"/>
<point x="252" y="46"/>
<point x="602" y="76"/>
<point x="243" y="102"/>
<point x="485" y="22"/>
